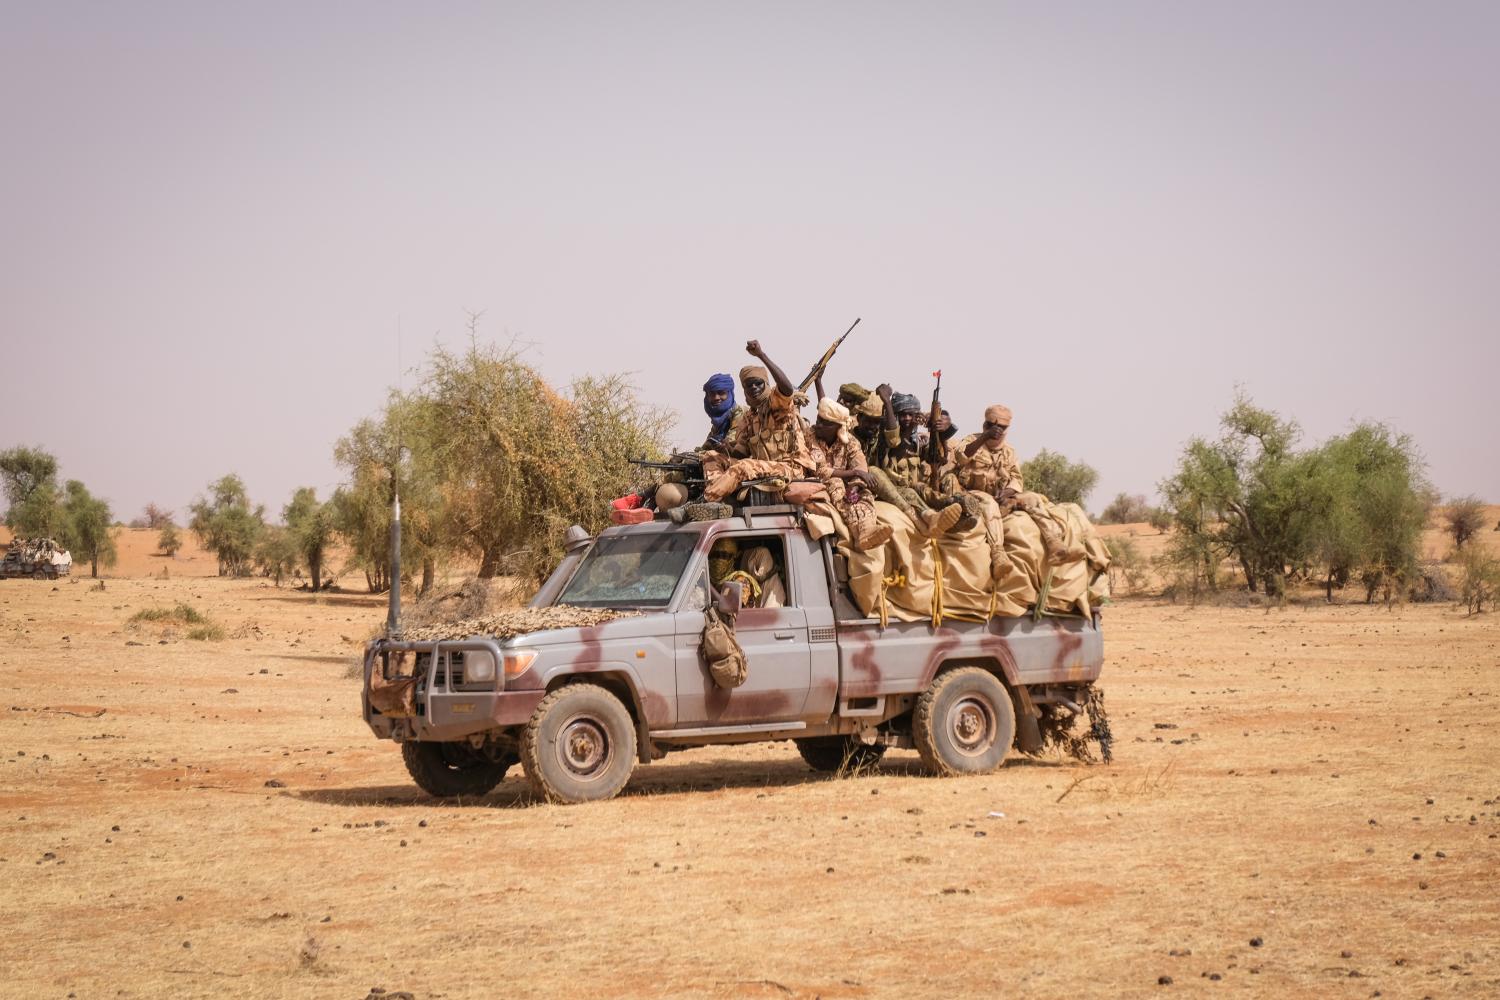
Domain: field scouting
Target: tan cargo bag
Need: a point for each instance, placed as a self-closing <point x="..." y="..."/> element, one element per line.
<point x="721" y="650"/>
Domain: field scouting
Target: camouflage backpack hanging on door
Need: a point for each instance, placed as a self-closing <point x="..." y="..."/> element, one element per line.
<point x="721" y="650"/>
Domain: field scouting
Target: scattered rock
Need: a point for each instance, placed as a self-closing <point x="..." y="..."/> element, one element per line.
<point x="274" y="783"/>
<point x="1256" y="942"/>
<point x="1164" y="980"/>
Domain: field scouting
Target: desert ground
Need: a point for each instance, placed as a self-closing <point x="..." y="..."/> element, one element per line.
<point x="1304" y="801"/>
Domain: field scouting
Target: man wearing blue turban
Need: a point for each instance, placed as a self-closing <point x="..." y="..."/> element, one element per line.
<point x="719" y="404"/>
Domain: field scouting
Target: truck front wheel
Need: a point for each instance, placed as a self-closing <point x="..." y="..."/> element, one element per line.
<point x="444" y="770"/>
<point x="964" y="723"/>
<point x="579" y="745"/>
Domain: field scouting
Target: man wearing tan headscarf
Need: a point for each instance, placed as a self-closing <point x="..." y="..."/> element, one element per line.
<point x="985" y="462"/>
<point x="839" y="462"/>
<point x="767" y="440"/>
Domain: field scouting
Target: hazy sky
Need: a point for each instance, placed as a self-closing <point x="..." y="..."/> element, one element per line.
<point x="1104" y="215"/>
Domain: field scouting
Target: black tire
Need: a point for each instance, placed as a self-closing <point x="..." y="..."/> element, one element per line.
<point x="444" y="770"/>
<point x="834" y="754"/>
<point x="579" y="745"/>
<point x="964" y="723"/>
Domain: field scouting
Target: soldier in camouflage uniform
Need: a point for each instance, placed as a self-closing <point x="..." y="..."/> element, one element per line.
<point x="899" y="475"/>
<point x="840" y="463"/>
<point x="986" y="463"/>
<point x="869" y="428"/>
<point x="767" y="440"/>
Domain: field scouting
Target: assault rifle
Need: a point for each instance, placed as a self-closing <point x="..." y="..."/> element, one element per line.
<point x="934" y="441"/>
<point x="817" y="369"/>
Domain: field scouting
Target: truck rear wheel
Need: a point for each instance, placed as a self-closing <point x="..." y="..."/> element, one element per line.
<point x="832" y="754"/>
<point x="579" y="745"/>
<point x="444" y="770"/>
<point x="964" y="723"/>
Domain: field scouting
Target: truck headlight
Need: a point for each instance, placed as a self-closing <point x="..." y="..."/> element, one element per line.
<point x="479" y="665"/>
<point x="520" y="662"/>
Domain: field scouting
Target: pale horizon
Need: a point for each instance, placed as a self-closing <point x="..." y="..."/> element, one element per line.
<point x="1104" y="217"/>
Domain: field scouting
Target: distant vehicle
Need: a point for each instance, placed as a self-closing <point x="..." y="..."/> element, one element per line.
<point x="38" y="558"/>
<point x="582" y="706"/>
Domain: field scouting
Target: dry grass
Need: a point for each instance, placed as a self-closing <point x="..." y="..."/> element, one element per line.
<point x="1313" y="752"/>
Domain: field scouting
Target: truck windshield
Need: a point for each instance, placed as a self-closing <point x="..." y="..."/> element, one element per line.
<point x="630" y="571"/>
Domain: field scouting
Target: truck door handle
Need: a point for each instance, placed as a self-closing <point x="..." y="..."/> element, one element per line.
<point x="785" y="635"/>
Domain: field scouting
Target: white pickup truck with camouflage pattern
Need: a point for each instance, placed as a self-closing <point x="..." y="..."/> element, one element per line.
<point x="579" y="706"/>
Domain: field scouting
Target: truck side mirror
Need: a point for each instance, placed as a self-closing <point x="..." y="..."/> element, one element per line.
<point x="729" y="599"/>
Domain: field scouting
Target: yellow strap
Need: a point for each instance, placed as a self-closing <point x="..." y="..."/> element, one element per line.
<point x="937" y="583"/>
<point x="897" y="579"/>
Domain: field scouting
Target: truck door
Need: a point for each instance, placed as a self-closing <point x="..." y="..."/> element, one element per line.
<point x="776" y="651"/>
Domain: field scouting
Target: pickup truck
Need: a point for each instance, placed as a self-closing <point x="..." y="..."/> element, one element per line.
<point x="580" y="707"/>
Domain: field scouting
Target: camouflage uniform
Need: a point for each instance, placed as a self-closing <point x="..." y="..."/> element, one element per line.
<point x="735" y="415"/>
<point x="850" y="499"/>
<point x="769" y="439"/>
<point x="987" y="471"/>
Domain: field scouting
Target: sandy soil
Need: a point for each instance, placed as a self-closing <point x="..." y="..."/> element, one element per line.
<point x="1303" y="802"/>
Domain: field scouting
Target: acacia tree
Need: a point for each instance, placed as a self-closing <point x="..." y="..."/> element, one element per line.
<point x="155" y="517"/>
<point x="493" y="462"/>
<point x="275" y="553"/>
<point x="519" y="462"/>
<point x="1245" y="496"/>
<point x="29" y="476"/>
<point x="1128" y="508"/>
<point x="226" y="525"/>
<point x="85" y="527"/>
<point x="1463" y="517"/>
<point x="361" y="509"/>
<point x="1384" y="485"/>
<point x="1060" y="480"/>
<point x="310" y="527"/>
<point x="169" y="541"/>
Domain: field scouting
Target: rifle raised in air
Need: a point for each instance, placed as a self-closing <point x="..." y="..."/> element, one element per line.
<point x="934" y="441"/>
<point x="817" y="369"/>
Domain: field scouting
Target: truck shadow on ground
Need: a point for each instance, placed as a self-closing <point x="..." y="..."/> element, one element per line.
<point x="663" y="778"/>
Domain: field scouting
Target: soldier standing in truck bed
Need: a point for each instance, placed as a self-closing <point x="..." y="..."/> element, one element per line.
<point x="767" y="440"/>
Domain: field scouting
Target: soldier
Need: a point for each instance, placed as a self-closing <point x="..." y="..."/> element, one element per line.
<point x="898" y="474"/>
<point x="869" y="428"/>
<point x="986" y="463"/>
<point x="768" y="439"/>
<point x="719" y="404"/>
<point x="839" y="462"/>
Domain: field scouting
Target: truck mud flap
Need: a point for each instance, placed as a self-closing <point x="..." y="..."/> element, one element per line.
<point x="1028" y="733"/>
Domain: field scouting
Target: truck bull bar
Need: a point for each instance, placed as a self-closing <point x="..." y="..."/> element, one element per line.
<point x="441" y="712"/>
